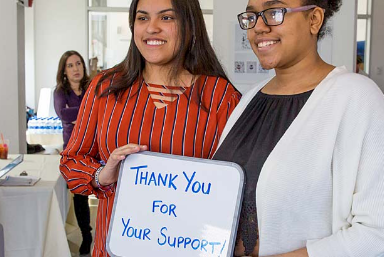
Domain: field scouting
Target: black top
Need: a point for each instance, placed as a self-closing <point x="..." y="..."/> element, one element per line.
<point x="249" y="143"/>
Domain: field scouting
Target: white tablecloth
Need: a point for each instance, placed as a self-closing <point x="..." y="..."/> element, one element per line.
<point x="34" y="217"/>
<point x="45" y="139"/>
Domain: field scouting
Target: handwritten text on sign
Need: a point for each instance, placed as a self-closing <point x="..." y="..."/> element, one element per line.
<point x="192" y="185"/>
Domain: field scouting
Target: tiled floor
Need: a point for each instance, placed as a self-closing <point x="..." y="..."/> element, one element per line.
<point x="73" y="231"/>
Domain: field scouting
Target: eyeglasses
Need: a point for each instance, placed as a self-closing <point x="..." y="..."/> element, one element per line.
<point x="271" y="17"/>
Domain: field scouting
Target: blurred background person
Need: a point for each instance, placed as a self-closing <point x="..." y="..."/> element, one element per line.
<point x="72" y="80"/>
<point x="360" y="66"/>
<point x="93" y="67"/>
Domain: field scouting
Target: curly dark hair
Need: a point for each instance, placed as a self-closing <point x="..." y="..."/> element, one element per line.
<point x="330" y="7"/>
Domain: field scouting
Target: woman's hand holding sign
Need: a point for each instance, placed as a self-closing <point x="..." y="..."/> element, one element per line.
<point x="109" y="174"/>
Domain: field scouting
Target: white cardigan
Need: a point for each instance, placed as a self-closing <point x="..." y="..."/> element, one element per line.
<point x="322" y="186"/>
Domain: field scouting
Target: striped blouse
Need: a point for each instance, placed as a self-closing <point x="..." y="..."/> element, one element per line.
<point x="189" y="126"/>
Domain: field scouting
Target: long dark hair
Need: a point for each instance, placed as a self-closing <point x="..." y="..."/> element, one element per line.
<point x="195" y="53"/>
<point x="62" y="82"/>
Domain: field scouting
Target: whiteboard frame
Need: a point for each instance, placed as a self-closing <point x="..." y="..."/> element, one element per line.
<point x="240" y="192"/>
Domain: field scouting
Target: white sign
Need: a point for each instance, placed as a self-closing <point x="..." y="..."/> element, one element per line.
<point x="168" y="205"/>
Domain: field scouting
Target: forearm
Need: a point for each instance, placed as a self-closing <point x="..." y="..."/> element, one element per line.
<point x="65" y="113"/>
<point x="359" y="240"/>
<point x="82" y="182"/>
<point x="79" y="172"/>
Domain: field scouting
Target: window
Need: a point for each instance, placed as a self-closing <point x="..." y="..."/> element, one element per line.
<point x="109" y="33"/>
<point x="109" y="3"/>
<point x="109" y="37"/>
<point x="364" y="32"/>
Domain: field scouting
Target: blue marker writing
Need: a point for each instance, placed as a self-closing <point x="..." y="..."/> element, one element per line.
<point x="154" y="179"/>
<point x="131" y="232"/>
<point x="196" y="185"/>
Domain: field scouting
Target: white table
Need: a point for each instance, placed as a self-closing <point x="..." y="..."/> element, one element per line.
<point x="34" y="217"/>
<point x="45" y="139"/>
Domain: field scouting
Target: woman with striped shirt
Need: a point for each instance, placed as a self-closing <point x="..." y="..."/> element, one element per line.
<point x="169" y="95"/>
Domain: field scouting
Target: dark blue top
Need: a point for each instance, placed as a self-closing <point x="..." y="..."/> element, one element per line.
<point x="67" y="108"/>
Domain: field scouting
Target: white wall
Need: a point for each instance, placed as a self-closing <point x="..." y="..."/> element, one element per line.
<point x="224" y="18"/>
<point x="377" y="44"/>
<point x="344" y="35"/>
<point x="12" y="86"/>
<point x="59" y="26"/>
<point x="225" y="11"/>
<point x="30" y="58"/>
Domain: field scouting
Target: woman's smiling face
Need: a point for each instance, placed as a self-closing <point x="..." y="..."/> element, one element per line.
<point x="156" y="31"/>
<point x="283" y="45"/>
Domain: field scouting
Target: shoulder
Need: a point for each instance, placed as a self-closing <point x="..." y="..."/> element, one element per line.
<point x="212" y="84"/>
<point x="355" y="81"/>
<point x="355" y="87"/>
<point x="219" y="86"/>
<point x="349" y="98"/>
<point x="59" y="93"/>
<point x="103" y="79"/>
<point x="214" y="81"/>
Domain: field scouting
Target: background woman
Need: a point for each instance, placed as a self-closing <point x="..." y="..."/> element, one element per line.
<point x="169" y="95"/>
<point x="72" y="82"/>
<point x="311" y="140"/>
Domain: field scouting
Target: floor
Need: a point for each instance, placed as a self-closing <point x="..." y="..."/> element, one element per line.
<point x="73" y="231"/>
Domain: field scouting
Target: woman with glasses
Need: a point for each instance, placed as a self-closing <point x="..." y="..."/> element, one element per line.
<point x="310" y="140"/>
<point x="169" y="95"/>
